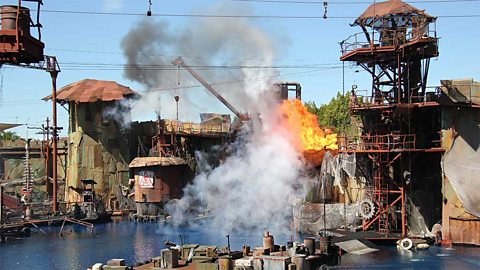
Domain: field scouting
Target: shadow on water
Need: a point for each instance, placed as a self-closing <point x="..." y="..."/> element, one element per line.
<point x="138" y="242"/>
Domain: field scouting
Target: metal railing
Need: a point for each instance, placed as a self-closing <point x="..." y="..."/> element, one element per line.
<point x="385" y="37"/>
<point x="387" y="142"/>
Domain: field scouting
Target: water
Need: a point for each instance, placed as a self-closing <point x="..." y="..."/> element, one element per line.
<point x="138" y="242"/>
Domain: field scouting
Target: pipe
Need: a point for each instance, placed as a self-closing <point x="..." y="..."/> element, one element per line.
<point x="54" y="73"/>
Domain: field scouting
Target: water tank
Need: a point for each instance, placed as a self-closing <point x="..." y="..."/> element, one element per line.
<point x="9" y="18"/>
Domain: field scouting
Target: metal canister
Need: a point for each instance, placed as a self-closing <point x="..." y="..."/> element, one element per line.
<point x="225" y="263"/>
<point x="325" y="242"/>
<point x="246" y="250"/>
<point x="268" y="241"/>
<point x="9" y="18"/>
<point x="309" y="243"/>
<point x="300" y="261"/>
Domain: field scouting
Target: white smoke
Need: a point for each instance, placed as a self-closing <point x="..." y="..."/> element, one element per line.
<point x="251" y="187"/>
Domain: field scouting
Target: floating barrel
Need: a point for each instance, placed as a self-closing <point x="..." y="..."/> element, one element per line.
<point x="9" y="18"/>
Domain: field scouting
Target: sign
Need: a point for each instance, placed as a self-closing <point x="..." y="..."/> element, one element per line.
<point x="145" y="179"/>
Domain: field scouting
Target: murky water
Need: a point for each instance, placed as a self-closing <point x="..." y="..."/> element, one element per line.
<point x="137" y="242"/>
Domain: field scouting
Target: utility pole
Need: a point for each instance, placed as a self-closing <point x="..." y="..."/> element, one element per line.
<point x="52" y="69"/>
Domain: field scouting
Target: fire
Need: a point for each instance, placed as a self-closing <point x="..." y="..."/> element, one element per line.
<point x="304" y="123"/>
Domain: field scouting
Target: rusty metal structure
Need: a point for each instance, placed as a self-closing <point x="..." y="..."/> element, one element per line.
<point x="98" y="144"/>
<point x="18" y="47"/>
<point x="395" y="47"/>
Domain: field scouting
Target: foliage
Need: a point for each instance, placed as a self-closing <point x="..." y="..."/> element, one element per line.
<point x="334" y="115"/>
<point x="9" y="136"/>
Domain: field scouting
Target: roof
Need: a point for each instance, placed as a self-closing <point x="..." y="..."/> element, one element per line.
<point x="89" y="90"/>
<point x="5" y="126"/>
<point x="140" y="162"/>
<point x="391" y="7"/>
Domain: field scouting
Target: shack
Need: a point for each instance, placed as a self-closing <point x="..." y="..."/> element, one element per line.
<point x="158" y="180"/>
<point x="98" y="141"/>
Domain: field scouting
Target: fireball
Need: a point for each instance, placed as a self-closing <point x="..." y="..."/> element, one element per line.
<point x="305" y="125"/>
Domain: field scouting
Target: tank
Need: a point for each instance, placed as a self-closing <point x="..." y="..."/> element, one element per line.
<point x="268" y="241"/>
<point x="9" y="18"/>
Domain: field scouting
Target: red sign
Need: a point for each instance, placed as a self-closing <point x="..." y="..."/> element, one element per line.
<point x="145" y="179"/>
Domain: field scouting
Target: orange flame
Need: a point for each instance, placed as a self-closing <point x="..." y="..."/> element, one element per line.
<point x="304" y="123"/>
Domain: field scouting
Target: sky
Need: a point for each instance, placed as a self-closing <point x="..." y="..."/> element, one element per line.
<point x="306" y="49"/>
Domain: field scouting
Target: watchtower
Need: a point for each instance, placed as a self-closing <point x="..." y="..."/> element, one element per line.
<point x="395" y="46"/>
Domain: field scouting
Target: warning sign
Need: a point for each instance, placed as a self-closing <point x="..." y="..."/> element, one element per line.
<point x="145" y="179"/>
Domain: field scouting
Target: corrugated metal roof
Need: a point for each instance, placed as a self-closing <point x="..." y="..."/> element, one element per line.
<point x="4" y="126"/>
<point x="89" y="90"/>
<point x="156" y="161"/>
<point x="381" y="9"/>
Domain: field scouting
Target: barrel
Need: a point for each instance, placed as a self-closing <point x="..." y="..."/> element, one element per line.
<point x="9" y="18"/>
<point x="246" y="250"/>
<point x="309" y="243"/>
<point x="268" y="241"/>
<point x="225" y="263"/>
<point x="300" y="261"/>
<point x="325" y="242"/>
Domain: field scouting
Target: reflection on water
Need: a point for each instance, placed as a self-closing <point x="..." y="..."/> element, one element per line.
<point x="138" y="242"/>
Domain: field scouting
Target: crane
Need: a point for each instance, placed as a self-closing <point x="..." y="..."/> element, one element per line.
<point x="180" y="62"/>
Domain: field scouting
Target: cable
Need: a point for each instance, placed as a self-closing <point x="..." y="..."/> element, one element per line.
<point x="218" y="16"/>
<point x="348" y="2"/>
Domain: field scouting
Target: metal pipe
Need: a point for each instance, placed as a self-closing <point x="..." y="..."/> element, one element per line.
<point x="54" y="73"/>
<point x="180" y="62"/>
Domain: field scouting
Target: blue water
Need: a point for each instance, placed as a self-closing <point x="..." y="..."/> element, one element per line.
<point x="137" y="242"/>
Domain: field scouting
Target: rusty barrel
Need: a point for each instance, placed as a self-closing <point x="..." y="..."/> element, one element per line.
<point x="309" y="243"/>
<point x="225" y="263"/>
<point x="268" y="241"/>
<point x="325" y="242"/>
<point x="9" y="18"/>
<point x="300" y="261"/>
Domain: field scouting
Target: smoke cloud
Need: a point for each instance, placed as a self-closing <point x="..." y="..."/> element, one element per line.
<point x="220" y="50"/>
<point x="251" y="187"/>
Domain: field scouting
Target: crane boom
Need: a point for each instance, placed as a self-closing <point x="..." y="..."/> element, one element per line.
<point x="180" y="62"/>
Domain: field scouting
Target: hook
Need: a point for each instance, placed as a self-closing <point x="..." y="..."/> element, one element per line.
<point x="325" y="6"/>
<point x="149" y="11"/>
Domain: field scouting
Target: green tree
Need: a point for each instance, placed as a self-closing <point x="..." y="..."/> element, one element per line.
<point x="9" y="136"/>
<point x="335" y="114"/>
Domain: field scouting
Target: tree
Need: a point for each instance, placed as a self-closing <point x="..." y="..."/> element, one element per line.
<point x="335" y="114"/>
<point x="9" y="136"/>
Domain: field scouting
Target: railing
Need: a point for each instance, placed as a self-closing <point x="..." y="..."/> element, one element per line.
<point x="391" y="142"/>
<point x="364" y="100"/>
<point x="191" y="128"/>
<point x="388" y="142"/>
<point x="385" y="37"/>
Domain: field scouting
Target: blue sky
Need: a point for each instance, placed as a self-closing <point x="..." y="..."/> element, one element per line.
<point x="82" y="38"/>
